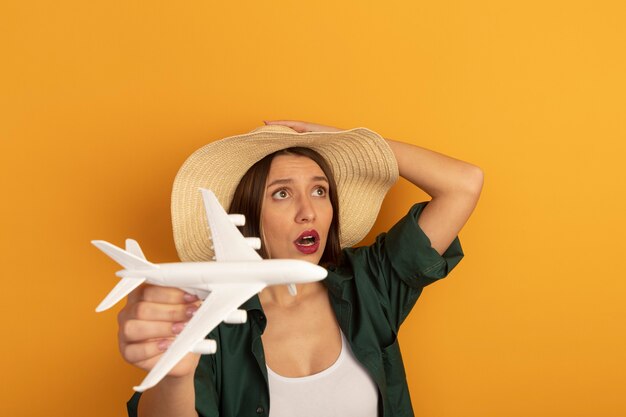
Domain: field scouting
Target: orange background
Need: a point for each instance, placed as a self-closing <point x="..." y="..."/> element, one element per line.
<point x="101" y="101"/>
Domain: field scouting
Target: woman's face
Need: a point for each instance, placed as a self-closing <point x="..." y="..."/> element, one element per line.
<point x="297" y="211"/>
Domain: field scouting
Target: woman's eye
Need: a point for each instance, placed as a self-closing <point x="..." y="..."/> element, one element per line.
<point x="319" y="192"/>
<point x="280" y="195"/>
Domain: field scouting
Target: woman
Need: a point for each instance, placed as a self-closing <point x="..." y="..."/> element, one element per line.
<point x="332" y="348"/>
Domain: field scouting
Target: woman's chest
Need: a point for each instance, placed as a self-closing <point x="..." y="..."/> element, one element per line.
<point x="301" y="341"/>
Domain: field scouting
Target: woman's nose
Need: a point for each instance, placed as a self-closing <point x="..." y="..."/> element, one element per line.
<point x="306" y="212"/>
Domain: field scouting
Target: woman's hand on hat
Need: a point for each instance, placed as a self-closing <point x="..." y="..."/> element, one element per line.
<point x="150" y="321"/>
<point x="302" y="127"/>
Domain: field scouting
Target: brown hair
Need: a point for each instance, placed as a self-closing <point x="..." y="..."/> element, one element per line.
<point x="250" y="192"/>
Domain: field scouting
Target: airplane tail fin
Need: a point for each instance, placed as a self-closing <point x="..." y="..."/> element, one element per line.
<point x="131" y="258"/>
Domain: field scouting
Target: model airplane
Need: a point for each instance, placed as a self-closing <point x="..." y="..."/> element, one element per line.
<point x="237" y="274"/>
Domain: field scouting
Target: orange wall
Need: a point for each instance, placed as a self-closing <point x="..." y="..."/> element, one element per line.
<point x="101" y="101"/>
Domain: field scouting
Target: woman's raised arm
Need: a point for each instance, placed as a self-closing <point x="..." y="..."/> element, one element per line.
<point x="454" y="185"/>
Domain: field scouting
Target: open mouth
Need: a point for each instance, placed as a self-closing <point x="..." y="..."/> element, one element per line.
<point x="308" y="241"/>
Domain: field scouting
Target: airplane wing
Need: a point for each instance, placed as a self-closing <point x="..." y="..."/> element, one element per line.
<point x="216" y="307"/>
<point x="228" y="242"/>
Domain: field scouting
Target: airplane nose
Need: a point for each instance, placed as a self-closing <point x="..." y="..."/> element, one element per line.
<point x="317" y="272"/>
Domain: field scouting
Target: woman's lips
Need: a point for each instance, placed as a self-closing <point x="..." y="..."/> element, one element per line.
<point x="308" y="242"/>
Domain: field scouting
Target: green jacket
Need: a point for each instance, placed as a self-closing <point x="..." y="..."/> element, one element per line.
<point x="371" y="293"/>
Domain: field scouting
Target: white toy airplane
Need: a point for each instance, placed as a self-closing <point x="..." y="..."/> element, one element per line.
<point x="237" y="274"/>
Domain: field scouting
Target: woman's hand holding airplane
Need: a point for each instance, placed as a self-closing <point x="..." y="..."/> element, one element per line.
<point x="152" y="318"/>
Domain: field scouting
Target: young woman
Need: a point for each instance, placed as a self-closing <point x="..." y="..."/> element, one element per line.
<point x="310" y="192"/>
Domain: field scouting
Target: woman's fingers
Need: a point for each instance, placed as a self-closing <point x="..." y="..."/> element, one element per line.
<point x="158" y="312"/>
<point x="296" y="125"/>
<point x="301" y="126"/>
<point x="166" y="295"/>
<point x="145" y="355"/>
<point x="145" y="310"/>
<point x="138" y="352"/>
<point x="142" y="330"/>
<point x="150" y="321"/>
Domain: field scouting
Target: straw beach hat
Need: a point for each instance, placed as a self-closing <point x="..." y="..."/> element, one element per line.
<point x="361" y="161"/>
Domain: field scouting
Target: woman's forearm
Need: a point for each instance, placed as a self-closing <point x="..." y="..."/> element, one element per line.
<point x="172" y="397"/>
<point x="454" y="186"/>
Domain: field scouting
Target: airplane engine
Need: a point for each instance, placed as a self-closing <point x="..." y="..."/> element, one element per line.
<point x="237" y="219"/>
<point x="254" y="242"/>
<point x="205" y="347"/>
<point x="237" y="317"/>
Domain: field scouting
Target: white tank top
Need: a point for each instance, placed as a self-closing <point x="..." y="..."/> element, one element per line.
<point x="345" y="389"/>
